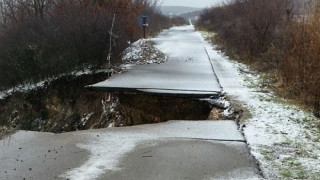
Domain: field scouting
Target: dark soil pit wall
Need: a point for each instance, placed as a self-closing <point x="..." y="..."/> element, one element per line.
<point x="137" y="109"/>
<point x="65" y="105"/>
<point x="58" y="106"/>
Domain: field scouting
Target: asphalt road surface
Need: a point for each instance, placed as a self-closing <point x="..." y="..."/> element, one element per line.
<point x="172" y="151"/>
<point x="188" y="72"/>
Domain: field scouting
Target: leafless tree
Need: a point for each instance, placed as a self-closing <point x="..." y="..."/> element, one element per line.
<point x="43" y="38"/>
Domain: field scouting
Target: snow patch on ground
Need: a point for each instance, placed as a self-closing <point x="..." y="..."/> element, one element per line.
<point x="106" y="152"/>
<point x="21" y="88"/>
<point x="284" y="138"/>
<point x="41" y="84"/>
<point x="2" y="95"/>
<point x="142" y="52"/>
<point x="86" y="118"/>
<point x="238" y="174"/>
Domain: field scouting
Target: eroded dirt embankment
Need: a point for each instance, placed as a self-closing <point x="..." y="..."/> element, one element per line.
<point x="56" y="107"/>
<point x="66" y="105"/>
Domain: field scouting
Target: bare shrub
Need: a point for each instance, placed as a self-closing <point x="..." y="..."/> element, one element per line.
<point x="45" y="38"/>
<point x="301" y="65"/>
<point x="247" y="27"/>
<point x="281" y="36"/>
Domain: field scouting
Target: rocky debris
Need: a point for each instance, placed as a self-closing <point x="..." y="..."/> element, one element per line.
<point x="143" y="52"/>
<point x="216" y="114"/>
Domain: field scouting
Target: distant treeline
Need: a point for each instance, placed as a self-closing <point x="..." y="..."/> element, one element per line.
<point x="45" y="38"/>
<point x="277" y="36"/>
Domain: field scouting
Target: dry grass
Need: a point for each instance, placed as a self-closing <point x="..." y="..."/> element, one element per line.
<point x="279" y="38"/>
<point x="300" y="70"/>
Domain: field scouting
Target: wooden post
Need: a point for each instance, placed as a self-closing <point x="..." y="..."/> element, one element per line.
<point x="144" y="26"/>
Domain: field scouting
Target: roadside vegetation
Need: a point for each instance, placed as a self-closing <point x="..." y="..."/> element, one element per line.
<point x="52" y="49"/>
<point x="41" y="39"/>
<point x="280" y="38"/>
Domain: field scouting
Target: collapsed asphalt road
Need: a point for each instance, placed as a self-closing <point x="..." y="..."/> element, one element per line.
<point x="174" y="150"/>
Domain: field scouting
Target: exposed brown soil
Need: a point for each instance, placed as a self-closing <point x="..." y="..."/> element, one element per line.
<point x="66" y="105"/>
<point x="56" y="107"/>
<point x="145" y="109"/>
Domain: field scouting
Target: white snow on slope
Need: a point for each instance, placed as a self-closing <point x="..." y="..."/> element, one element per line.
<point x="21" y="88"/>
<point x="142" y="52"/>
<point x="32" y="86"/>
<point x="2" y="95"/>
<point x="283" y="138"/>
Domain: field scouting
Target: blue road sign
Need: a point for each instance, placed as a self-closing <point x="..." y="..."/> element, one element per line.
<point x="143" y="20"/>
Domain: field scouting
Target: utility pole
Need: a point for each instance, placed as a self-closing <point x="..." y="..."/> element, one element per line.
<point x="110" y="40"/>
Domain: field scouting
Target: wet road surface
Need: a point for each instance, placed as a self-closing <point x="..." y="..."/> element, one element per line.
<point x="174" y="150"/>
<point x="188" y="72"/>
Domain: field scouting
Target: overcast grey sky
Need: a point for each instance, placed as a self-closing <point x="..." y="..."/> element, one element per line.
<point x="191" y="3"/>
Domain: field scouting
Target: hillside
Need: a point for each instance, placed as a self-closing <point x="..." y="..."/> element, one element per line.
<point x="194" y="15"/>
<point x="177" y="10"/>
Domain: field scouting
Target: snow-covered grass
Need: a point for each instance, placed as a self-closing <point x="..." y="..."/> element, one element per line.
<point x="31" y="86"/>
<point x="21" y="88"/>
<point x="2" y="94"/>
<point x="284" y="138"/>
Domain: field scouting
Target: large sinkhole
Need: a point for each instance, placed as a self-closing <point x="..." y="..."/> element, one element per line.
<point x="136" y="109"/>
<point x="66" y="105"/>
